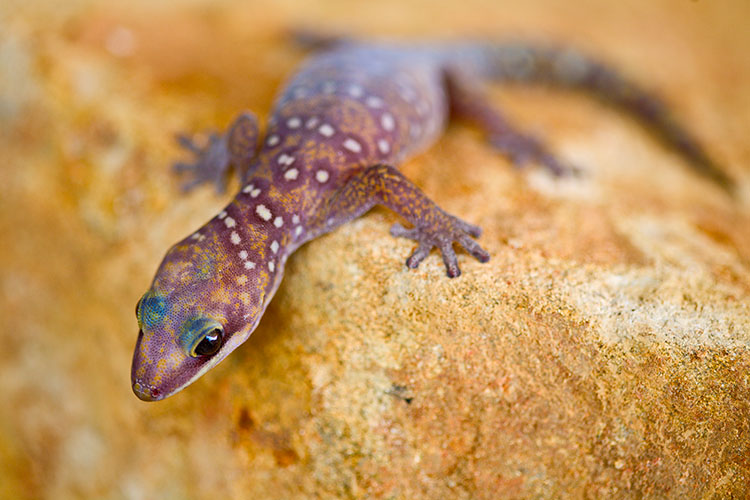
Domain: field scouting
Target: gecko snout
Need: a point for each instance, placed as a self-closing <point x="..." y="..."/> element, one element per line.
<point x="146" y="393"/>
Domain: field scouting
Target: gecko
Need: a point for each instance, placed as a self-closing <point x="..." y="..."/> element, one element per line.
<point x="336" y="133"/>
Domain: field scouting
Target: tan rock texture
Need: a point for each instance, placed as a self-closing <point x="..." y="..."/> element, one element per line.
<point x="603" y="352"/>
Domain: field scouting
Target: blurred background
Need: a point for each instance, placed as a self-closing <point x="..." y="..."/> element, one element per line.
<point x="91" y="95"/>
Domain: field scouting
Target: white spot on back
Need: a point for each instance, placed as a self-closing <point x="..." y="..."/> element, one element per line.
<point x="273" y="140"/>
<point x="294" y="122"/>
<point x="321" y="176"/>
<point x="374" y="102"/>
<point x="285" y="159"/>
<point x="291" y="174"/>
<point x="312" y="123"/>
<point x="248" y="188"/>
<point x="263" y="212"/>
<point x="271" y="266"/>
<point x="298" y="231"/>
<point x="255" y="192"/>
<point x="249" y="265"/>
<point x="229" y="222"/>
<point x="326" y="130"/>
<point x="278" y="221"/>
<point x="222" y="214"/>
<point x="355" y="91"/>
<point x="243" y="254"/>
<point x="387" y="122"/>
<point x="295" y="219"/>
<point x="275" y="246"/>
<point x="235" y="238"/>
<point x="383" y="146"/>
<point x="352" y="145"/>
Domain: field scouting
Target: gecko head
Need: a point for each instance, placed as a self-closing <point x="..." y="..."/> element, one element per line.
<point x="189" y="320"/>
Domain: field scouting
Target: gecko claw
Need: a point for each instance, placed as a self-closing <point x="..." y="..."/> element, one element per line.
<point x="450" y="260"/>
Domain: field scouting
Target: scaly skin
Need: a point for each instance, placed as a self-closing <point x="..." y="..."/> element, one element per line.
<point x="328" y="156"/>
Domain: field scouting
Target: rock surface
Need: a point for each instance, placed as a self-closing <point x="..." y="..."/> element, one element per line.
<point x="603" y="352"/>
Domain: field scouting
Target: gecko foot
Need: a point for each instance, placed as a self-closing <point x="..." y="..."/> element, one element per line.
<point x="442" y="234"/>
<point x="212" y="162"/>
<point x="522" y="149"/>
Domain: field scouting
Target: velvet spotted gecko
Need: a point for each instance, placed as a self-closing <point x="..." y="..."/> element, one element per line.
<point x="336" y="133"/>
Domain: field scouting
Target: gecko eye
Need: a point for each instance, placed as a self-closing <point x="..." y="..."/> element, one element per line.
<point x="210" y="343"/>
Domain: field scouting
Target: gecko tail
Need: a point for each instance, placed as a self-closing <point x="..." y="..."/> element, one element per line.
<point x="568" y="68"/>
<point x="312" y="39"/>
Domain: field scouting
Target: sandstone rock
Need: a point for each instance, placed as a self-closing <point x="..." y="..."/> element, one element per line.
<point x="601" y="353"/>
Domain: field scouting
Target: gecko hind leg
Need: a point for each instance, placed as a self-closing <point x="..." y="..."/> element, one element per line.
<point x="214" y="161"/>
<point x="432" y="226"/>
<point x="470" y="102"/>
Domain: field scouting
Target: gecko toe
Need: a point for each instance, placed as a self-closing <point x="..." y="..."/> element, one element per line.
<point x="420" y="254"/>
<point x="220" y="182"/>
<point x="188" y="143"/>
<point x="556" y="166"/>
<point x="180" y="167"/>
<point x="188" y="186"/>
<point x="450" y="260"/>
<point x="474" y="249"/>
<point x="471" y="229"/>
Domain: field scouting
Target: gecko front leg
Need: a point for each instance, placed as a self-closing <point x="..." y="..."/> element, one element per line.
<point x="432" y="226"/>
<point x="214" y="160"/>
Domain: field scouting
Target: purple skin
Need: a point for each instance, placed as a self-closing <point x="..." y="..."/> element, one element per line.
<point x="344" y="120"/>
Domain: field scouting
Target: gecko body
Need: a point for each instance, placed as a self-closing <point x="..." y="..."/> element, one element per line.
<point x="338" y="129"/>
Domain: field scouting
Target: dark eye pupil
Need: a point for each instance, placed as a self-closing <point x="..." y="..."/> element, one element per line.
<point x="210" y="343"/>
